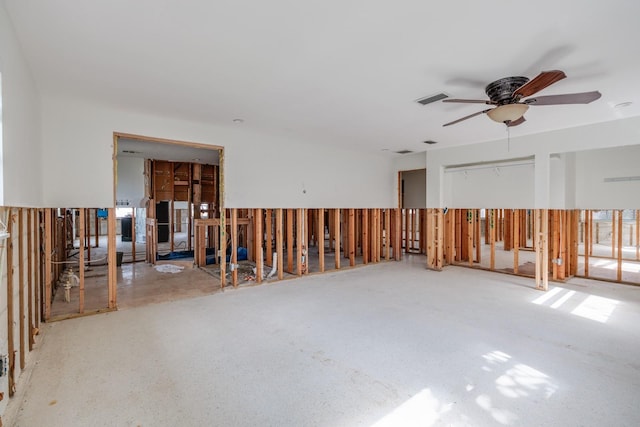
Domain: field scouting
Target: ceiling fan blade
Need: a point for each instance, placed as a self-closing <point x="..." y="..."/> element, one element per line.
<point x="567" y="98"/>
<point x="470" y="101"/>
<point x="467" y="117"/>
<point x="513" y="123"/>
<point x="541" y="81"/>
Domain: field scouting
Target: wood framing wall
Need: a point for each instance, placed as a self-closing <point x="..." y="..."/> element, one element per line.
<point x="23" y="275"/>
<point x="290" y="238"/>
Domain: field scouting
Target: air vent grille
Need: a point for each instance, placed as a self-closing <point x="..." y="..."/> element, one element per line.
<point x="429" y="99"/>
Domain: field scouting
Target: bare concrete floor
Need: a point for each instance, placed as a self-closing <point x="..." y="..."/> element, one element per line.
<point x="386" y="345"/>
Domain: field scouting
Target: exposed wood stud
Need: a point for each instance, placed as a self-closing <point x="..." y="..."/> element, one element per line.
<point x="516" y="240"/>
<point x="258" y="218"/>
<point x="351" y="237"/>
<point x="336" y="235"/>
<point x="492" y="238"/>
<point x="300" y="246"/>
<point x="290" y="221"/>
<point x="10" y="300"/>
<point x="21" y="285"/>
<point x="320" y="239"/>
<point x="440" y="239"/>
<point x="619" y="248"/>
<point x="387" y="234"/>
<point x="30" y="257"/>
<point x="81" y="217"/>
<point x="545" y="249"/>
<point x="365" y="239"/>
<point x="234" y="247"/>
<point x="587" y="241"/>
<point x="470" y="233"/>
<point x="268" y="245"/>
<point x="111" y="249"/>
<point x="397" y="242"/>
<point x="223" y="248"/>
<point x="279" y="243"/>
<point x="48" y="229"/>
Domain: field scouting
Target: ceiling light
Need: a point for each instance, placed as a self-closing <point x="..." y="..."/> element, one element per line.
<point x="238" y="121"/>
<point x="623" y="104"/>
<point x="507" y="112"/>
<point x="430" y="142"/>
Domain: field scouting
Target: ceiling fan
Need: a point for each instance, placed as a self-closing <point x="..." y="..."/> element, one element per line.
<point x="507" y="94"/>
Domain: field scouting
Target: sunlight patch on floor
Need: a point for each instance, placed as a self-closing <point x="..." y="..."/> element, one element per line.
<point x="422" y="410"/>
<point x="596" y="308"/>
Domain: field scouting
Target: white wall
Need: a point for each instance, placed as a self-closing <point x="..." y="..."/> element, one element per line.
<point x="130" y="188"/>
<point x="20" y="166"/>
<point x="260" y="170"/>
<point x="505" y="184"/>
<point x="415" y="189"/>
<point x="593" y="166"/>
<point x="609" y="134"/>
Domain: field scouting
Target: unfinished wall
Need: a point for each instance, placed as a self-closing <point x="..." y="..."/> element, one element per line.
<point x="608" y="178"/>
<point x="259" y="170"/>
<point x="20" y="167"/>
<point x="609" y="134"/>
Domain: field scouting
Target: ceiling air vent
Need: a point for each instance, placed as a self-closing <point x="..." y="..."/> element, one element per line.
<point x="429" y="99"/>
<point x="404" y="152"/>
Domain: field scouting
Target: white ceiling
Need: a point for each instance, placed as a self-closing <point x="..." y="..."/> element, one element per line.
<point x="343" y="72"/>
<point x="143" y="149"/>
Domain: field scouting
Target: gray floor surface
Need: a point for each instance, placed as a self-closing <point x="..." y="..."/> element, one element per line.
<point x="384" y="345"/>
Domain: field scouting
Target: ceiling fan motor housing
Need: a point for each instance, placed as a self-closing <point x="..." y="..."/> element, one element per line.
<point x="501" y="91"/>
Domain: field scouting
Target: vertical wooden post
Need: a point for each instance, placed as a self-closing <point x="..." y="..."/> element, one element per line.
<point x="47" y="262"/>
<point x="320" y="239"/>
<point x="638" y="234"/>
<point x="223" y="247"/>
<point x="234" y="247"/>
<point x="365" y="236"/>
<point x="21" y="315"/>
<point x="542" y="249"/>
<point x="562" y="244"/>
<point x="492" y="231"/>
<point x="111" y="245"/>
<point x="449" y="236"/>
<point x="476" y="239"/>
<point x="470" y="236"/>
<point x="376" y="235"/>
<point x="516" y="240"/>
<point x="587" y="241"/>
<point x="290" y="241"/>
<point x="171" y="225"/>
<point x="440" y="239"/>
<point x="279" y="243"/>
<point x="387" y="234"/>
<point x="431" y="239"/>
<point x="397" y="242"/>
<point x="351" y="238"/>
<point x="555" y="240"/>
<point x="268" y="244"/>
<point x="257" y="217"/>
<point x="10" y="295"/>
<point x="336" y="235"/>
<point x="614" y="234"/>
<point x="133" y="235"/>
<point x="300" y="246"/>
<point x="619" y="241"/>
<point x="81" y="222"/>
<point x="96" y="223"/>
<point x="30" y="257"/>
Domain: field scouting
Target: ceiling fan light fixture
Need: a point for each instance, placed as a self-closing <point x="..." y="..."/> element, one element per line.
<point x="507" y="113"/>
